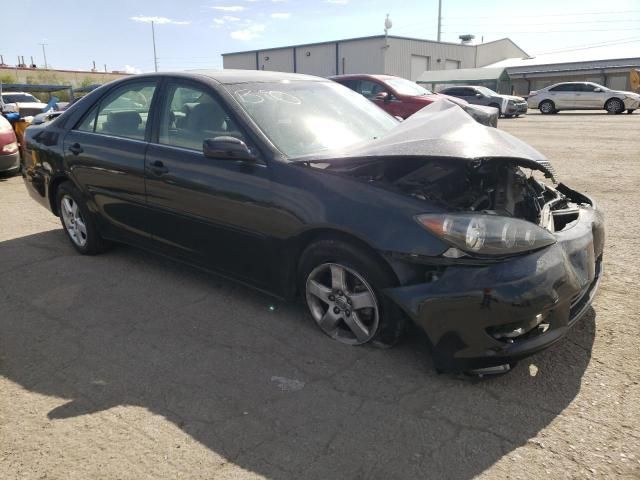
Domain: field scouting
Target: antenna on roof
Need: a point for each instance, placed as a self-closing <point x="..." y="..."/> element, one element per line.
<point x="387" y="25"/>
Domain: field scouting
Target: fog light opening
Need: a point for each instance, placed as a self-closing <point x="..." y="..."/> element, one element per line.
<point x="512" y="331"/>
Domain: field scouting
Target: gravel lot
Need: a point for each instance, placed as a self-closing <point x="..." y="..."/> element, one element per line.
<point x="130" y="366"/>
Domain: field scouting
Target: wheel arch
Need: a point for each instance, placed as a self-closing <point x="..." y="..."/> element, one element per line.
<point x="311" y="236"/>
<point x="54" y="184"/>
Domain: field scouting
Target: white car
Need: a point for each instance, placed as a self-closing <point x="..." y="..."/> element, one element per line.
<point x="24" y="103"/>
<point x="582" y="96"/>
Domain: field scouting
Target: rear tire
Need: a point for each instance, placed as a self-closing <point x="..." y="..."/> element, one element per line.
<point x="546" y="107"/>
<point x="77" y="221"/>
<point x="614" y="106"/>
<point x="333" y="302"/>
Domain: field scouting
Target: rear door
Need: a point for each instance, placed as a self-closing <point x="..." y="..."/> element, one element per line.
<point x="208" y="211"/>
<point x="105" y="153"/>
<point x="567" y="95"/>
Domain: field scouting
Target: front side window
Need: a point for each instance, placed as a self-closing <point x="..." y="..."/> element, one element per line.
<point x="369" y="89"/>
<point x="308" y="117"/>
<point x="566" y="87"/>
<point x="122" y="113"/>
<point x="191" y="115"/>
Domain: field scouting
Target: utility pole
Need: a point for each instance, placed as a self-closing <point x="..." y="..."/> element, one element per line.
<point x="439" y="19"/>
<point x="153" y="36"/>
<point x="44" y="54"/>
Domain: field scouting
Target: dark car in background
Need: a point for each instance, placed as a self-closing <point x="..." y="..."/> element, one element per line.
<point x="9" y="152"/>
<point x="296" y="185"/>
<point x="508" y="105"/>
<point x="402" y="98"/>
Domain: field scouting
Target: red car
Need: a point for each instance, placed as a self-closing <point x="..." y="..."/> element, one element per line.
<point x="9" y="157"/>
<point x="402" y="98"/>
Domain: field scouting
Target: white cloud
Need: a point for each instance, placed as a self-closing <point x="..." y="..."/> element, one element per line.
<point x="229" y="8"/>
<point x="248" y="33"/>
<point x="159" y="20"/>
<point x="281" y="16"/>
<point x="130" y="69"/>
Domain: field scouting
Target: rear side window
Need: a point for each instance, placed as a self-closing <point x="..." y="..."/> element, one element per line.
<point x="122" y="113"/>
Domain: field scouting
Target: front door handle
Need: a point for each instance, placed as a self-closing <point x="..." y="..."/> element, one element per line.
<point x="158" y="167"/>
<point x="76" y="149"/>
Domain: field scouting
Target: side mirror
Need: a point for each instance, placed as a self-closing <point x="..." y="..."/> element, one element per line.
<point x="227" y="148"/>
<point x="478" y="95"/>
<point x="383" y="97"/>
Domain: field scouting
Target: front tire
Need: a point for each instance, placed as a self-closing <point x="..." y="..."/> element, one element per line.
<point x="614" y="106"/>
<point x="546" y="107"/>
<point x="77" y="222"/>
<point x="342" y="286"/>
<point x="630" y="111"/>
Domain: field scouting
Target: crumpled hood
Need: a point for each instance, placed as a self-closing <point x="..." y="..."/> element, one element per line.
<point x="443" y="129"/>
<point x="31" y="105"/>
<point x="514" y="98"/>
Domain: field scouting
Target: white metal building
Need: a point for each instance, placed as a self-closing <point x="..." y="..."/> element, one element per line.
<point x="392" y="55"/>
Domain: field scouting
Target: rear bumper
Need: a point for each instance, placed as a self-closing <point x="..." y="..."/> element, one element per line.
<point x="10" y="163"/>
<point x="467" y="309"/>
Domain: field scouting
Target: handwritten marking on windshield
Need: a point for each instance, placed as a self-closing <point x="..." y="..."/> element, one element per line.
<point x="259" y="96"/>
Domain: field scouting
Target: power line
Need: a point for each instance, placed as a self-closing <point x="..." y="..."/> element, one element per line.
<point x="593" y="45"/>
<point x="551" y="14"/>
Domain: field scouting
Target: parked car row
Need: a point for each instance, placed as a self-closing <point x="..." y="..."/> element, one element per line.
<point x="582" y="96"/>
<point x="297" y="185"/>
<point x="402" y="98"/>
<point x="507" y="105"/>
<point x="9" y="155"/>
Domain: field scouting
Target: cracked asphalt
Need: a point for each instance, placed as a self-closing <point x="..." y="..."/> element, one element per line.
<point x="130" y="366"/>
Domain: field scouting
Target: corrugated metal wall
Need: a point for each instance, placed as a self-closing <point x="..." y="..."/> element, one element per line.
<point x="398" y="55"/>
<point x="362" y="56"/>
<point x="240" y="61"/>
<point x="280" y="60"/>
<point x="493" y="52"/>
<point x="317" y="60"/>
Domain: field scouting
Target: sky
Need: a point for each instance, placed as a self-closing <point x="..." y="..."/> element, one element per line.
<point x="193" y="33"/>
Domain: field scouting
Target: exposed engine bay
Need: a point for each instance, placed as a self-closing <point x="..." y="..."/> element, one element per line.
<point x="492" y="186"/>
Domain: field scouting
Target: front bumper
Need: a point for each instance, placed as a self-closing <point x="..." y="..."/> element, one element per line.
<point x="463" y="309"/>
<point x="631" y="103"/>
<point x="517" y="108"/>
<point x="10" y="162"/>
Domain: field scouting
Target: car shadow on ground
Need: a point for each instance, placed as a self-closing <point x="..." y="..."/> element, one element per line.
<point x="254" y="380"/>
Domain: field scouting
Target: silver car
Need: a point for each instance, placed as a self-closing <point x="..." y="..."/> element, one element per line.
<point x="582" y="96"/>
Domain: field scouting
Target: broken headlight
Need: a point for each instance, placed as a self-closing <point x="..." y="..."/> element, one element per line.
<point x="487" y="234"/>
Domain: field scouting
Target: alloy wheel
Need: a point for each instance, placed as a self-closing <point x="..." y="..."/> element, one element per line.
<point x="546" y="107"/>
<point x="342" y="303"/>
<point x="615" y="106"/>
<point x="73" y="221"/>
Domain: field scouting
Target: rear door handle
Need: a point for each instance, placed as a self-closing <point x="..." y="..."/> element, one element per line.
<point x="76" y="149"/>
<point x="158" y="167"/>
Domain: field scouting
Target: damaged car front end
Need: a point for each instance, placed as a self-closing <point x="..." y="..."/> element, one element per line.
<point x="521" y="255"/>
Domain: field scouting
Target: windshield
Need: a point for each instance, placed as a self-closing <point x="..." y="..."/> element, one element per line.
<point x="406" y="87"/>
<point x="304" y="117"/>
<point x="19" y="98"/>
<point x="486" y="91"/>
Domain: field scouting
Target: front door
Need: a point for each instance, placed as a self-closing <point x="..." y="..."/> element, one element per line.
<point x="205" y="210"/>
<point x="105" y="153"/>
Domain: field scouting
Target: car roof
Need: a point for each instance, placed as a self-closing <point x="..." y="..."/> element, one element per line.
<point x="226" y="77"/>
<point x="361" y="75"/>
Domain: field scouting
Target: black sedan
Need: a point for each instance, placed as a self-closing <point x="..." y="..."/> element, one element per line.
<point x="299" y="186"/>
